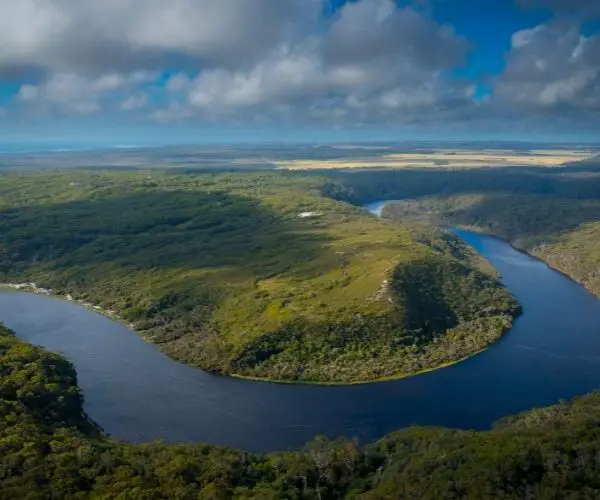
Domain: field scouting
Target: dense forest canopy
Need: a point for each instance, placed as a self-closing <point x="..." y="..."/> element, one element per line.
<point x="553" y="214"/>
<point x="49" y="449"/>
<point x="574" y="182"/>
<point x="168" y="251"/>
<point x="253" y="274"/>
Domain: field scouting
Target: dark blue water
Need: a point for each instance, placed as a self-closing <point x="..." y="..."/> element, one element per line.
<point x="138" y="394"/>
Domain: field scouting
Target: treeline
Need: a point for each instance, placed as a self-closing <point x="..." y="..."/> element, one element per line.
<point x="250" y="274"/>
<point x="48" y="449"/>
<point x="564" y="232"/>
<point x="552" y="213"/>
<point x="578" y="182"/>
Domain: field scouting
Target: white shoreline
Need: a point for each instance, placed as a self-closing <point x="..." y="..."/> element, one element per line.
<point x="48" y="292"/>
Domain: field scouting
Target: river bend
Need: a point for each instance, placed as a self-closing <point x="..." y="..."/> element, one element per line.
<point x="138" y="394"/>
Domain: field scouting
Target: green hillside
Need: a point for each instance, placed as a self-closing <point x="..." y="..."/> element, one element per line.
<point x="48" y="449"/>
<point x="564" y="232"/>
<point x="553" y="214"/>
<point x="255" y="275"/>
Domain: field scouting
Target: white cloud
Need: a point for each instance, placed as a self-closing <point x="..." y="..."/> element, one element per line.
<point x="28" y="93"/>
<point x="123" y="35"/>
<point x="178" y="83"/>
<point x="74" y="94"/>
<point x="550" y="66"/>
<point x="259" y="59"/>
<point x="134" y="102"/>
<point x="280" y="61"/>
<point x="524" y="37"/>
<point x="375" y="57"/>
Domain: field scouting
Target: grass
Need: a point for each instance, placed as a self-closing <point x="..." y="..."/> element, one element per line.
<point x="563" y="232"/>
<point x="222" y="273"/>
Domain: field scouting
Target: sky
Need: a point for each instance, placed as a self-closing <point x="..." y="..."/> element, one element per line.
<point x="128" y="72"/>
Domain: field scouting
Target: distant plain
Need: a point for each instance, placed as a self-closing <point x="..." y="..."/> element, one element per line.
<point x="309" y="156"/>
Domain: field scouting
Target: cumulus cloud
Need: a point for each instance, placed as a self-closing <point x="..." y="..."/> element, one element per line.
<point x="178" y="83"/>
<point x="108" y="35"/>
<point x="75" y="94"/>
<point x="552" y="66"/>
<point x="374" y="61"/>
<point x="134" y="102"/>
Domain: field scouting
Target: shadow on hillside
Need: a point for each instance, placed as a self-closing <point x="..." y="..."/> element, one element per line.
<point x="532" y="217"/>
<point x="520" y="218"/>
<point x="582" y="182"/>
<point x="157" y="230"/>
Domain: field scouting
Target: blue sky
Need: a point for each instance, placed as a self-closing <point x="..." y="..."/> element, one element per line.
<point x="186" y="71"/>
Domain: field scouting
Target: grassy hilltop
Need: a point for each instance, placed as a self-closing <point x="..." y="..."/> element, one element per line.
<point x="49" y="449"/>
<point x="223" y="272"/>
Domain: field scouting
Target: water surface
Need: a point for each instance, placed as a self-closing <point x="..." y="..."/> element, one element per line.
<point x="136" y="393"/>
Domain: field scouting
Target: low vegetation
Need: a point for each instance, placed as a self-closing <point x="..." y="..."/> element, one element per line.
<point x="49" y="449"/>
<point x="255" y="275"/>
<point x="552" y="214"/>
<point x="448" y="158"/>
<point x="222" y="272"/>
<point x="564" y="232"/>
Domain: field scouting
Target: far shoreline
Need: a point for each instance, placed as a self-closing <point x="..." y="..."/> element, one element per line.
<point x="32" y="288"/>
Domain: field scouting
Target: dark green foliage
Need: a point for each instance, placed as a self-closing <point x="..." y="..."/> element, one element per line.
<point x="564" y="232"/>
<point x="443" y="292"/>
<point x="552" y="213"/>
<point x="223" y="273"/>
<point x="362" y="187"/>
<point x="36" y="384"/>
<point x="167" y="276"/>
<point x="49" y="450"/>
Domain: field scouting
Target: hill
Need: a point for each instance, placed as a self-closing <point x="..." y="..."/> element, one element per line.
<point x="561" y="231"/>
<point x="51" y="450"/>
<point x="250" y="274"/>
<point x="553" y="215"/>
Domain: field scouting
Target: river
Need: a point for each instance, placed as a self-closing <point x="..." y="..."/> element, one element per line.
<point x="138" y="394"/>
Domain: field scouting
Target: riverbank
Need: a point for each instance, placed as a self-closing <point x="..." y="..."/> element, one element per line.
<point x="47" y="437"/>
<point x="235" y="273"/>
<point x="537" y="254"/>
<point x="390" y="378"/>
<point x="562" y="232"/>
<point x="138" y="394"/>
<point x="48" y="292"/>
<point x="37" y="290"/>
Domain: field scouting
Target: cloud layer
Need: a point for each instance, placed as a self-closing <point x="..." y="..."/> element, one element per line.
<point x="96" y="37"/>
<point x="372" y="62"/>
<point x="552" y="66"/>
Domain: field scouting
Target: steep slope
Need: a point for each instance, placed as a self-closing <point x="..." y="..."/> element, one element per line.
<point x="564" y="232"/>
<point x="250" y="274"/>
<point x="553" y="214"/>
<point x="50" y="450"/>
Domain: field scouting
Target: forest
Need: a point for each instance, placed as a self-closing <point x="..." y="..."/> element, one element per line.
<point x="50" y="449"/>
<point x="224" y="262"/>
<point x="553" y="213"/>
<point x="561" y="231"/>
<point x="252" y="274"/>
